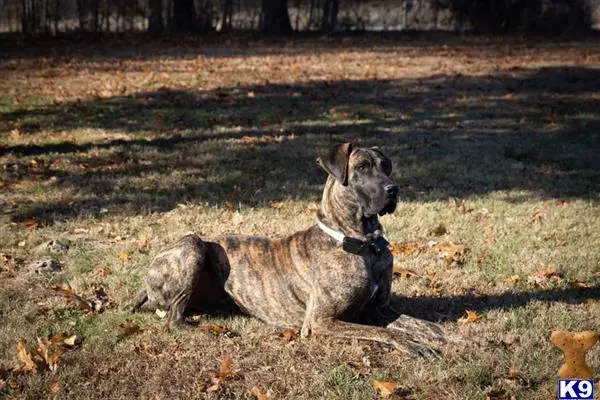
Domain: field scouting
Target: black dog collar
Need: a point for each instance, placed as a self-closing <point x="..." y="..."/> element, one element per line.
<point x="353" y="245"/>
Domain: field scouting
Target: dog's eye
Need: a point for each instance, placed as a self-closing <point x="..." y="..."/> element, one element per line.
<point x="363" y="166"/>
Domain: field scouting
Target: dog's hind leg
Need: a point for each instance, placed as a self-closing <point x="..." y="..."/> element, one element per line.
<point x="139" y="301"/>
<point x="174" y="274"/>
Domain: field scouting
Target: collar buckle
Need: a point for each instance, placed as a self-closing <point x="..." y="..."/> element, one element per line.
<point x="353" y="245"/>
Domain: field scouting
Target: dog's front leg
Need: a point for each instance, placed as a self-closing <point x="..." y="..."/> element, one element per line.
<point x="318" y="320"/>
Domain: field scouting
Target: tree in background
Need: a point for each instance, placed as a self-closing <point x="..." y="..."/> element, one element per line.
<point x="184" y="17"/>
<point x="523" y="16"/>
<point x="330" y="15"/>
<point x="156" y="24"/>
<point x="159" y="17"/>
<point x="275" y="19"/>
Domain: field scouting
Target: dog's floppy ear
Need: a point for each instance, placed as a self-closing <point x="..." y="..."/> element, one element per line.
<point x="335" y="162"/>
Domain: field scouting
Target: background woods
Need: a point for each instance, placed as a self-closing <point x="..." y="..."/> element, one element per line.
<point x="158" y="17"/>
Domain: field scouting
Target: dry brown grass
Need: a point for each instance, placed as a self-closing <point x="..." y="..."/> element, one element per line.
<point x="121" y="149"/>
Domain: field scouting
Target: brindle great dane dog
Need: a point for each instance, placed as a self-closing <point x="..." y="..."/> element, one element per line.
<point x="320" y="279"/>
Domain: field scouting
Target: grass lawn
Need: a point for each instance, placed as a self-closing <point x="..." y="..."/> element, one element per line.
<point x="117" y="149"/>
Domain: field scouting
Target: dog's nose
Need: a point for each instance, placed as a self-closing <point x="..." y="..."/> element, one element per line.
<point x="391" y="190"/>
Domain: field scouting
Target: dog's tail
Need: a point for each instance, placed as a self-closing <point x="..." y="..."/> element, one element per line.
<point x="139" y="301"/>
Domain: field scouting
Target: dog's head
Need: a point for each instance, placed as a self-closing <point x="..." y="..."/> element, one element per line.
<point x="365" y="173"/>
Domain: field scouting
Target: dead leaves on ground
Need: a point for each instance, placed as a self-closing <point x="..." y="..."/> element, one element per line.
<point x="405" y="272"/>
<point x="71" y="297"/>
<point x="218" y="330"/>
<point x="128" y="329"/>
<point x="221" y="376"/>
<point x="290" y="335"/>
<point x="387" y="390"/>
<point x="258" y="395"/>
<point x="46" y="355"/>
<point x="453" y="254"/>
<point x="471" y="317"/>
<point x="98" y="304"/>
<point x="9" y="264"/>
<point x="545" y="275"/>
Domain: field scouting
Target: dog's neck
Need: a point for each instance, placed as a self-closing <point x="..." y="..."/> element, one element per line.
<point x="342" y="212"/>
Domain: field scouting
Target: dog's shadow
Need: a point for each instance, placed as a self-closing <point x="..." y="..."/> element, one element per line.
<point x="445" y="308"/>
<point x="450" y="308"/>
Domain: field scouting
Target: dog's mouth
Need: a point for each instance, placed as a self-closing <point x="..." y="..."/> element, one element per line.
<point x="389" y="207"/>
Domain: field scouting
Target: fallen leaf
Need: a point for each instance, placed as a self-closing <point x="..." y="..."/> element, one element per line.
<point x="313" y="207"/>
<point x="277" y="204"/>
<point x="453" y="254"/>
<point x="25" y="357"/>
<point x="222" y="375"/>
<point x="512" y="371"/>
<point x="70" y="295"/>
<point x="405" y="249"/>
<point x="538" y="217"/>
<point x="64" y="339"/>
<point x="123" y="255"/>
<point x="546" y="273"/>
<point x="289" y="335"/>
<point x="43" y="350"/>
<point x="225" y="370"/>
<point x="31" y="223"/>
<point x="216" y="330"/>
<point x="70" y="341"/>
<point x="128" y="329"/>
<point x="581" y="285"/>
<point x="55" y="387"/>
<point x="471" y="317"/>
<point x="385" y="388"/>
<point x="404" y="272"/>
<point x="258" y="394"/>
<point x="142" y="244"/>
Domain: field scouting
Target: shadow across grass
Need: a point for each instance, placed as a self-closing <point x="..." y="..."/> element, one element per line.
<point x="450" y="308"/>
<point x="532" y="130"/>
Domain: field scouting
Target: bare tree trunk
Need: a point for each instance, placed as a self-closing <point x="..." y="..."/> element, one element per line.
<point x="156" y="25"/>
<point x="184" y="17"/>
<point x="57" y="11"/>
<point x="227" y="20"/>
<point x="275" y="19"/>
<point x="81" y="13"/>
<point x="95" y="15"/>
<point x="310" y="14"/>
<point x="330" y="14"/>
<point x="29" y="17"/>
<point x="298" y="7"/>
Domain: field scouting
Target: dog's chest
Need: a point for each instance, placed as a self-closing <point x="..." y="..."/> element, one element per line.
<point x="362" y="279"/>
